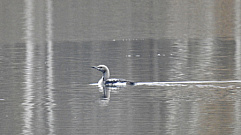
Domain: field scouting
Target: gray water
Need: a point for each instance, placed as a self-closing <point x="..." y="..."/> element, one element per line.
<point x="185" y="57"/>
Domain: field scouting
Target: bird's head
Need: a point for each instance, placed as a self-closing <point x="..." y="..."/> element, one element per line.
<point x="101" y="68"/>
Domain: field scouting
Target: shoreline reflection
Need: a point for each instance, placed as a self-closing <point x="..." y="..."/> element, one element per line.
<point x="28" y="103"/>
<point x="39" y="74"/>
<point x="50" y="76"/>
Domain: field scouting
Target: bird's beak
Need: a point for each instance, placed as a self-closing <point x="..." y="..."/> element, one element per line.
<point x="95" y="67"/>
<point x="99" y="69"/>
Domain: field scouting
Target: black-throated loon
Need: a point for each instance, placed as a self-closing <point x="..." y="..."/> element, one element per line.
<point x="105" y="80"/>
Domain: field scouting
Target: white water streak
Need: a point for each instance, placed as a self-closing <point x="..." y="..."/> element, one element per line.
<point x="50" y="86"/>
<point x="187" y="82"/>
<point x="28" y="93"/>
<point x="237" y="104"/>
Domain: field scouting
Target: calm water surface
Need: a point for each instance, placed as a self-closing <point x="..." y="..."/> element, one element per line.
<point x="185" y="57"/>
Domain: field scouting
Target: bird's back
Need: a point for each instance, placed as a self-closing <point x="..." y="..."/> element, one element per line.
<point x="118" y="82"/>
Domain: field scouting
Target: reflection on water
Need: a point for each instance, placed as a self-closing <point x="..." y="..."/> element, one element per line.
<point x="237" y="38"/>
<point x="33" y="90"/>
<point x="28" y="93"/>
<point x="50" y="78"/>
<point x="184" y="56"/>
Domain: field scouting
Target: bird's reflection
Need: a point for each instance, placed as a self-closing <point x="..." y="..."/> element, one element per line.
<point x="106" y="92"/>
<point x="105" y="96"/>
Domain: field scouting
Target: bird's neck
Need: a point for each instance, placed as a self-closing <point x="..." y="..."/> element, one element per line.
<point x="106" y="75"/>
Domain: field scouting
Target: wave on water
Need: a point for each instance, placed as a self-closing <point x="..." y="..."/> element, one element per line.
<point x="199" y="84"/>
<point x="187" y="82"/>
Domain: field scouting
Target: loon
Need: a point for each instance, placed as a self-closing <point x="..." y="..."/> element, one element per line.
<point x="105" y="80"/>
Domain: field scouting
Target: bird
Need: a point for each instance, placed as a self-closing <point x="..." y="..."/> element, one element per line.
<point x="106" y="81"/>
